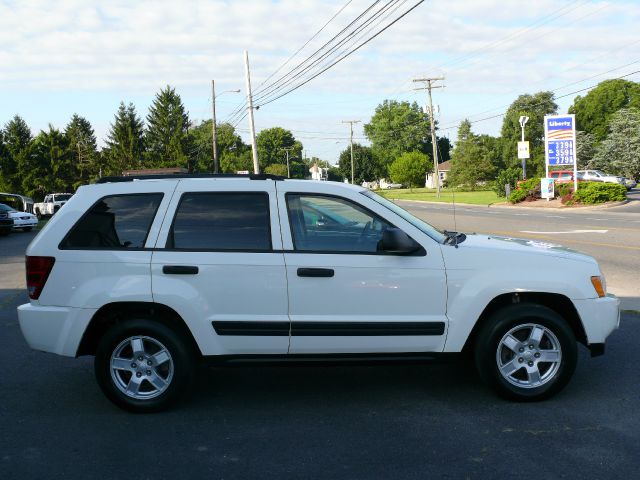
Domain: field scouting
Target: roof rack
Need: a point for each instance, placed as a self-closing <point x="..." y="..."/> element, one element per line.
<point x="130" y="178"/>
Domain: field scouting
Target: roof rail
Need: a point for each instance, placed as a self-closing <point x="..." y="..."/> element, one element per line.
<point x="130" y="178"/>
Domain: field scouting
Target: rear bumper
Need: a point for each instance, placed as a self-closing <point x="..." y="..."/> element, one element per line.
<point x="600" y="317"/>
<point x="54" y="329"/>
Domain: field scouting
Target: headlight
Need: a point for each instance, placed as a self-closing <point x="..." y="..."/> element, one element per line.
<point x="600" y="285"/>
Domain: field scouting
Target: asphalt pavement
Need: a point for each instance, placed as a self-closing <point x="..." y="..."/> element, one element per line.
<point x="357" y="422"/>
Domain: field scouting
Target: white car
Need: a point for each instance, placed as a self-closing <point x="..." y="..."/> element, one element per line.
<point x="21" y="220"/>
<point x="598" y="176"/>
<point x="150" y="276"/>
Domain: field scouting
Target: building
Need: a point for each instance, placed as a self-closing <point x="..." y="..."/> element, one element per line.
<point x="444" y="168"/>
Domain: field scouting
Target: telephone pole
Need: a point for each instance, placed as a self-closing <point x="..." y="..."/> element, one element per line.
<point x="286" y="149"/>
<point x="351" y="122"/>
<point x="252" y="127"/>
<point x="428" y="85"/>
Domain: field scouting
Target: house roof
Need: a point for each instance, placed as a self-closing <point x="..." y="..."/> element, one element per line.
<point x="444" y="166"/>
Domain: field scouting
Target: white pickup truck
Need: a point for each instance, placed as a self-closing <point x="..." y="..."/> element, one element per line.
<point x="51" y="204"/>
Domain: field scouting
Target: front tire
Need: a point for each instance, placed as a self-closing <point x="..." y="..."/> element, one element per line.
<point x="143" y="366"/>
<point x="526" y="352"/>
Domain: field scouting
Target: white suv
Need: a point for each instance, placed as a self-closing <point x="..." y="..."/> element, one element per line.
<point x="152" y="275"/>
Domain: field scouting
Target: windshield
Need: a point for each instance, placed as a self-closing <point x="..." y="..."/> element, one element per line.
<point x="6" y="208"/>
<point x="63" y="197"/>
<point x="424" y="227"/>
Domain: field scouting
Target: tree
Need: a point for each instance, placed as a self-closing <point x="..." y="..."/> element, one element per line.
<point x="535" y="107"/>
<point x="585" y="148"/>
<point x="619" y="153"/>
<point x="276" y="169"/>
<point x="594" y="110"/>
<point x="396" y="128"/>
<point x="364" y="166"/>
<point x="272" y="143"/>
<point x="410" y="169"/>
<point x="202" y="142"/>
<point x="49" y="167"/>
<point x="83" y="150"/>
<point x="167" y="138"/>
<point x="15" y="153"/>
<point x="471" y="160"/>
<point x="125" y="141"/>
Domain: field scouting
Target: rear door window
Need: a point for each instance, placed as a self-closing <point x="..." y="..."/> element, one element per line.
<point x="115" y="222"/>
<point x="222" y="221"/>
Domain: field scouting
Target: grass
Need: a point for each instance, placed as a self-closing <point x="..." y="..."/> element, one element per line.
<point x="481" y="197"/>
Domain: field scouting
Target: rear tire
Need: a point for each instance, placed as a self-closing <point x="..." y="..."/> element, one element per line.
<point x="526" y="352"/>
<point x="144" y="366"/>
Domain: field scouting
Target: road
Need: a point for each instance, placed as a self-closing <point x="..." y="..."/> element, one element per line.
<point x="403" y="421"/>
<point x="610" y="235"/>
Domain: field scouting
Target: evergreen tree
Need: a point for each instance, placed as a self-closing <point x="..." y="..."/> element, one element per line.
<point x="50" y="168"/>
<point x="619" y="153"/>
<point x="471" y="159"/>
<point x="83" y="150"/>
<point x="167" y="138"/>
<point x="15" y="156"/>
<point x="125" y="142"/>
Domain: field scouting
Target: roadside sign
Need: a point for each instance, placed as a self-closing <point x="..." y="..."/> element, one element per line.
<point x="560" y="142"/>
<point x="243" y="172"/>
<point x="523" y="150"/>
<point x="547" y="189"/>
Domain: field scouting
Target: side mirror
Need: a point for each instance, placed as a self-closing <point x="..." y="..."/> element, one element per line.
<point x="395" y="240"/>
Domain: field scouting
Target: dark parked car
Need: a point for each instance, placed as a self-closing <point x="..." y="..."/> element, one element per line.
<point x="6" y="222"/>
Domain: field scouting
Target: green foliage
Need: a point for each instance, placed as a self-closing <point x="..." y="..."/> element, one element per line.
<point x="125" y="143"/>
<point x="166" y="138"/>
<point x="527" y="191"/>
<point x="471" y="160"/>
<point x="272" y="144"/>
<point x="365" y="167"/>
<point x="229" y="143"/>
<point x="619" y="153"/>
<point x="396" y="128"/>
<point x="276" y="169"/>
<point x="594" y="110"/>
<point x="14" y="153"/>
<point x="83" y="151"/>
<point x="599" y="192"/>
<point x="535" y="107"/>
<point x="585" y="149"/>
<point x="507" y="176"/>
<point x="410" y="169"/>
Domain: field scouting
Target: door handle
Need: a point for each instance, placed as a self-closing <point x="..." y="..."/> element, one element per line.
<point x="180" y="269"/>
<point x="315" y="272"/>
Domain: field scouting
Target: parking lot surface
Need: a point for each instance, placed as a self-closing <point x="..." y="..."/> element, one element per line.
<point x="353" y="422"/>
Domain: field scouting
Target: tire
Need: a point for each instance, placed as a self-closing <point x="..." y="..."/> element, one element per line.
<point x="170" y="364"/>
<point x="38" y="214"/>
<point x="511" y="345"/>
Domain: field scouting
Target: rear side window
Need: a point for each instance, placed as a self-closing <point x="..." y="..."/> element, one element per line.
<point x="115" y="222"/>
<point x="226" y="221"/>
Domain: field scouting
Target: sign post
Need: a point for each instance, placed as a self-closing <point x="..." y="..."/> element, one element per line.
<point x="560" y="143"/>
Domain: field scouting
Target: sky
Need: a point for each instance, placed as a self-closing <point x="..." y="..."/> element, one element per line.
<point x="85" y="57"/>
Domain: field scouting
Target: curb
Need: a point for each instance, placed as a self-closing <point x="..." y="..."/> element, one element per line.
<point x="563" y="208"/>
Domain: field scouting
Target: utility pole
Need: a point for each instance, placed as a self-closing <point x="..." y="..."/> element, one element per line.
<point x="216" y="163"/>
<point x="428" y="85"/>
<point x="252" y="127"/>
<point x="288" y="171"/>
<point x="351" y="122"/>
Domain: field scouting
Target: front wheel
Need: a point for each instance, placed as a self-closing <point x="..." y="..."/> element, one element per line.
<point x="143" y="366"/>
<point x="526" y="352"/>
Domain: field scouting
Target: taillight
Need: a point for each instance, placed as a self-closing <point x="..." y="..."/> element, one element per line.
<point x="38" y="270"/>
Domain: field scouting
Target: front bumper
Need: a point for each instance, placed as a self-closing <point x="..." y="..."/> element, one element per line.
<point x="54" y="329"/>
<point x="600" y="317"/>
<point x="22" y="223"/>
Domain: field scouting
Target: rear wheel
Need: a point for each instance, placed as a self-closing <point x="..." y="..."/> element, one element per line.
<point x="143" y="366"/>
<point x="526" y="352"/>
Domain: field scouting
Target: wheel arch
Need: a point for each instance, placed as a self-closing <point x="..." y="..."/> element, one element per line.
<point x="560" y="304"/>
<point x="116" y="312"/>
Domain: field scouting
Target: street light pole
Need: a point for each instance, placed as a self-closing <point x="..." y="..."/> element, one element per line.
<point x="288" y="170"/>
<point x="351" y="122"/>
<point x="214" y="133"/>
<point x="523" y="121"/>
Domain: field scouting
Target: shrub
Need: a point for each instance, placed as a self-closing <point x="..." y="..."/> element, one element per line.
<point x="564" y="189"/>
<point x="528" y="190"/>
<point x="591" y="193"/>
<point x="510" y="176"/>
<point x="276" y="169"/>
